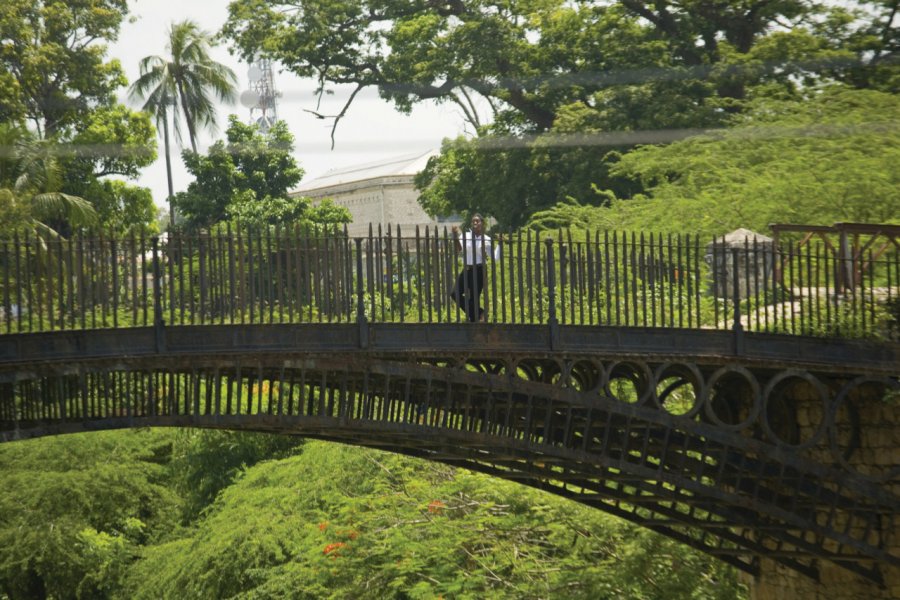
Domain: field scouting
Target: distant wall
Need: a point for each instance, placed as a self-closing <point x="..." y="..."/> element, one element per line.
<point x="386" y="200"/>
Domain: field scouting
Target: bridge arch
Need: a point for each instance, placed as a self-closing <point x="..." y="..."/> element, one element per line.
<point x="516" y="410"/>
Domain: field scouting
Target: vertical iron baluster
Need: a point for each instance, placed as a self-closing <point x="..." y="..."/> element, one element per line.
<point x="607" y="319"/>
<point x="298" y="270"/>
<point x="317" y="272"/>
<point x="380" y="269"/>
<point x="591" y="248"/>
<point x="697" y="281"/>
<point x="816" y="284"/>
<point x="582" y="248"/>
<point x="636" y="305"/>
<point x="113" y="251"/>
<point x="428" y="286"/>
<point x="617" y="291"/>
<point x="202" y="240"/>
<point x="130" y="271"/>
<point x="251" y="278"/>
<point x="105" y="277"/>
<point x="192" y="305"/>
<point x="389" y="269"/>
<point x="68" y="267"/>
<point x="530" y="285"/>
<point x="538" y="278"/>
<point x="646" y="273"/>
<point x="767" y="297"/>
<point x="241" y="289"/>
<point x="231" y="294"/>
<point x="29" y="288"/>
<point x="280" y="271"/>
<point x="400" y="275"/>
<point x="551" y="285"/>
<point x="790" y="287"/>
<point x="54" y="285"/>
<point x="7" y="304"/>
<point x="269" y="284"/>
<point x="39" y="278"/>
<point x="717" y="286"/>
<point x="451" y="260"/>
<point x="420" y="290"/>
<point x="370" y="270"/>
<point x="499" y="306"/>
<point x="563" y="276"/>
<point x="307" y="273"/>
<point x="811" y="295"/>
<point x="519" y="270"/>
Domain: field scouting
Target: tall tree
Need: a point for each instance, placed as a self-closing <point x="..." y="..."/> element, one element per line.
<point x="565" y="82"/>
<point x="57" y="83"/>
<point x="187" y="80"/>
<point x="245" y="177"/>
<point x="183" y="82"/>
<point x="52" y="53"/>
<point x="830" y="159"/>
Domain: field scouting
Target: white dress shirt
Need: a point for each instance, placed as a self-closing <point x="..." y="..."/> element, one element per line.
<point x="472" y="248"/>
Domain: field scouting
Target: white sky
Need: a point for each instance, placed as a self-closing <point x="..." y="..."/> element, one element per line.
<point x="372" y="130"/>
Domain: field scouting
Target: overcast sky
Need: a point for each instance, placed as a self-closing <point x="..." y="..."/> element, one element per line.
<point x="371" y="131"/>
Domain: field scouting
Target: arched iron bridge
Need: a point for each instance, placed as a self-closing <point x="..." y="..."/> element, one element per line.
<point x="706" y="421"/>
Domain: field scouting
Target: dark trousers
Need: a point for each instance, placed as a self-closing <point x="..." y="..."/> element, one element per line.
<point x="467" y="291"/>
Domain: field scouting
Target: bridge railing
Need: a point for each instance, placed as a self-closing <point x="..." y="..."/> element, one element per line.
<point x="301" y="275"/>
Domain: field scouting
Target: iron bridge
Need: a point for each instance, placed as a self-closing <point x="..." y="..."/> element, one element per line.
<point x="721" y="394"/>
<point x="740" y="448"/>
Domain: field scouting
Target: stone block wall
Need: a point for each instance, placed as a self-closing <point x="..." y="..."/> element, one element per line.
<point x="867" y="441"/>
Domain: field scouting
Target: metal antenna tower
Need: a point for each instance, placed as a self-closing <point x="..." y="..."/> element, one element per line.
<point x="261" y="97"/>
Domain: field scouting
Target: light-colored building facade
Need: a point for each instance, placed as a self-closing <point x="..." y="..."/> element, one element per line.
<point x="378" y="193"/>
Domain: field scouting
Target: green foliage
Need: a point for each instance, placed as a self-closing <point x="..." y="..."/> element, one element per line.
<point x="565" y="85"/>
<point x="57" y="61"/>
<point x="30" y="183"/>
<point x="206" y="461"/>
<point x="184" y="82"/>
<point x="245" y="177"/>
<point x="76" y="508"/>
<point x="56" y="79"/>
<point x="830" y="159"/>
<point x="123" y="209"/>
<point x="338" y="522"/>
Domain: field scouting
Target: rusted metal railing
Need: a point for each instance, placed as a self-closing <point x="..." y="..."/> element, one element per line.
<point x="302" y="275"/>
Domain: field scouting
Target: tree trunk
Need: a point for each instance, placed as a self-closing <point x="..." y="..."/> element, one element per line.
<point x="168" y="168"/>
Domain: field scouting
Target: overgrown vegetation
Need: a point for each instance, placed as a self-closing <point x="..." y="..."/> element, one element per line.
<point x="163" y="514"/>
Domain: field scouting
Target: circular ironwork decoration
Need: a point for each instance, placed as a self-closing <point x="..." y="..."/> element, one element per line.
<point x="585" y="376"/>
<point x="795" y="409"/>
<point x="678" y="389"/>
<point x="861" y="406"/>
<point x="629" y="382"/>
<point x="732" y="398"/>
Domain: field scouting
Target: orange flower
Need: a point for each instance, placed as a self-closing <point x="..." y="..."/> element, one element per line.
<point x="323" y="525"/>
<point x="332" y="549"/>
<point x="435" y="506"/>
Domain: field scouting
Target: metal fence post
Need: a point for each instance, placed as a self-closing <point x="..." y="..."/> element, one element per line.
<point x="551" y="297"/>
<point x="737" y="328"/>
<point x="158" y="321"/>
<point x="360" y="299"/>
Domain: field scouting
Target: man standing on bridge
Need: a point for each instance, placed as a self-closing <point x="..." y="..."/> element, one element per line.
<point x="475" y="247"/>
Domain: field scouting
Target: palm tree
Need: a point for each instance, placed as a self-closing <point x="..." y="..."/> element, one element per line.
<point x="30" y="180"/>
<point x="184" y="82"/>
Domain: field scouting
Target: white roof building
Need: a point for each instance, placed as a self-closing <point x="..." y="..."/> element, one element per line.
<point x="380" y="192"/>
